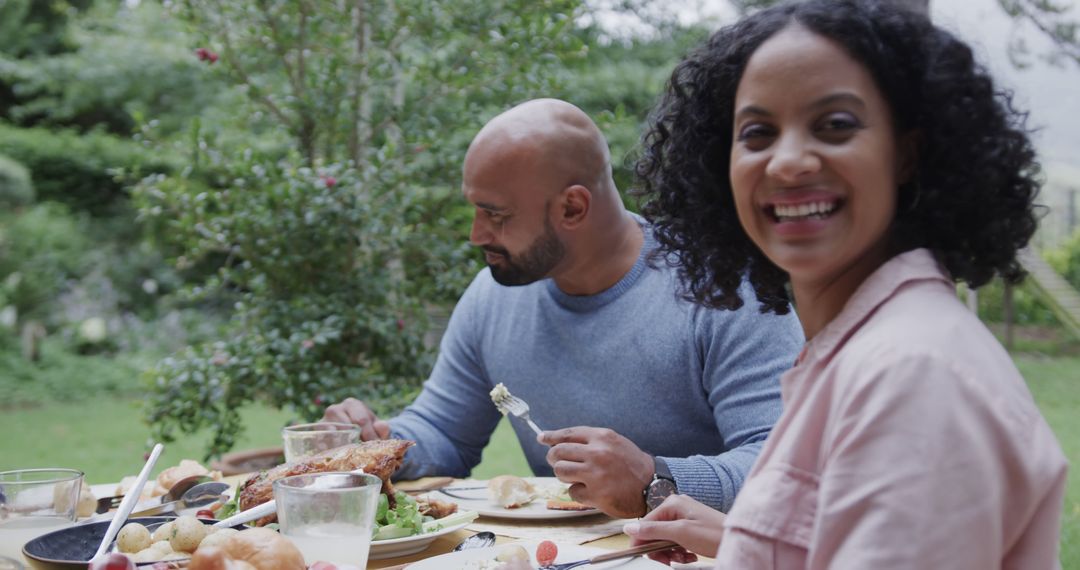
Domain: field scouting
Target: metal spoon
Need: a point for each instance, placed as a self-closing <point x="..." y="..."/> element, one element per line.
<point x="197" y="496"/>
<point x="482" y="539"/>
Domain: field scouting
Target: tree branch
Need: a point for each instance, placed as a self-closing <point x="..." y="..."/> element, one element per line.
<point x="245" y="79"/>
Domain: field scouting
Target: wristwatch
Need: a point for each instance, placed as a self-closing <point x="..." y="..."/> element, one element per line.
<point x="661" y="486"/>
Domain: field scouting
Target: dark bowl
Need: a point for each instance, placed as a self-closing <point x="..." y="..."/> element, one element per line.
<point x="73" y="547"/>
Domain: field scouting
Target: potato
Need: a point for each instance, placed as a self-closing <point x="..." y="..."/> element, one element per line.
<point x="187" y="533"/>
<point x="217" y="537"/>
<point x="163" y="532"/>
<point x="146" y="555"/>
<point x="512" y="552"/>
<point x="87" y="503"/>
<point x="162" y="548"/>
<point x="133" y="538"/>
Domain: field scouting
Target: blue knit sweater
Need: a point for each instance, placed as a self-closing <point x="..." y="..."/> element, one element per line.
<point x="698" y="387"/>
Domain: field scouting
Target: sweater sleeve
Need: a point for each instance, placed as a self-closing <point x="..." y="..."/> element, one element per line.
<point x="742" y="355"/>
<point x="452" y="419"/>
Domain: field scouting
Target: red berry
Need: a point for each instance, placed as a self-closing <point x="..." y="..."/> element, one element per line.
<point x="546" y="552"/>
<point x="330" y="181"/>
<point x="205" y="514"/>
<point x="400" y="325"/>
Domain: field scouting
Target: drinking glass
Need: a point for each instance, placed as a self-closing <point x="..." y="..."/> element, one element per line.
<point x="305" y="440"/>
<point x="34" y="502"/>
<point x="329" y="516"/>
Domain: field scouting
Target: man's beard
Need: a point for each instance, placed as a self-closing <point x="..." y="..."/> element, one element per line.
<point x="532" y="265"/>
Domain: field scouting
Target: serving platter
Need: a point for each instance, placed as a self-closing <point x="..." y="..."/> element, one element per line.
<point x="72" y="547"/>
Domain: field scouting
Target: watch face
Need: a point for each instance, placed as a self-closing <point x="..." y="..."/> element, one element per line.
<point x="659" y="490"/>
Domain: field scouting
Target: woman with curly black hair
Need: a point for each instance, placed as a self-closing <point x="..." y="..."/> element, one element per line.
<point x="851" y="157"/>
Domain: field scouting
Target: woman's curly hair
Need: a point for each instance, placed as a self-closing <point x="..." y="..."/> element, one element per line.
<point x="970" y="200"/>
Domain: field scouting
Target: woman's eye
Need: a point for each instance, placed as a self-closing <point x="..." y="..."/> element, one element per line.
<point x="839" y="123"/>
<point x="756" y="136"/>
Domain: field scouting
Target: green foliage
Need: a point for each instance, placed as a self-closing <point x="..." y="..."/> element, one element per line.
<point x="334" y="246"/>
<point x="618" y="83"/>
<point x="61" y="376"/>
<point x="36" y="26"/>
<point x="16" y="189"/>
<point x="1066" y="259"/>
<point x="127" y="65"/>
<point x="86" y="172"/>
<point x="40" y="249"/>
<point x="1028" y="309"/>
<point x="322" y="312"/>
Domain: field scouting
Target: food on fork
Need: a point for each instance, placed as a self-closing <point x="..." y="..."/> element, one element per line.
<point x="498" y="395"/>
<point x="511" y="492"/>
<point x="514" y="556"/>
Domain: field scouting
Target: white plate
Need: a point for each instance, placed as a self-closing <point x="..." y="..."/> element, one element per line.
<point x="394" y="547"/>
<point x="567" y="553"/>
<point x="537" y="510"/>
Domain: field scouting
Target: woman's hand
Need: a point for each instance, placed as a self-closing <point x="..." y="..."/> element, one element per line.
<point x="694" y="526"/>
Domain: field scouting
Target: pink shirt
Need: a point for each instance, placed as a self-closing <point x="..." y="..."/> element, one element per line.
<point x="908" y="440"/>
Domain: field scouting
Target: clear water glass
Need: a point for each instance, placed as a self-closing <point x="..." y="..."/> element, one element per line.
<point x="305" y="440"/>
<point x="34" y="502"/>
<point x="329" y="516"/>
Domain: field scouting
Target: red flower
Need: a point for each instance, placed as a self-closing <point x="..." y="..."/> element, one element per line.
<point x="400" y="325"/>
<point x="318" y="400"/>
<point x="330" y="181"/>
<point x="206" y="55"/>
<point x="307" y="344"/>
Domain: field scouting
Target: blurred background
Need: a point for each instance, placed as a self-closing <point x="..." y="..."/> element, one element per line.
<point x="219" y="216"/>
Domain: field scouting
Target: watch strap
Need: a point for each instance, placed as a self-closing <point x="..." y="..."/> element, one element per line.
<point x="661" y="469"/>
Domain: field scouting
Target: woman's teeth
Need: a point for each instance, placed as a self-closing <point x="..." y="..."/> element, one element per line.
<point x="810" y="210"/>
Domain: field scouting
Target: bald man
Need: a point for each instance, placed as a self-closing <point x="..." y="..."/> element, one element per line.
<point x="643" y="393"/>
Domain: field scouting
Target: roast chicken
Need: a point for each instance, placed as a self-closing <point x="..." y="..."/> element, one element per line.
<point x="380" y="458"/>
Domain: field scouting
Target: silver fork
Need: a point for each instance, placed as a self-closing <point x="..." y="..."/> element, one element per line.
<point x="606" y="557"/>
<point x="106" y="504"/>
<point x="510" y="404"/>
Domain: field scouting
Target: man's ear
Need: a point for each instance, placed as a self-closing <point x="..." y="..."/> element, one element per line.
<point x="907" y="150"/>
<point x="573" y="204"/>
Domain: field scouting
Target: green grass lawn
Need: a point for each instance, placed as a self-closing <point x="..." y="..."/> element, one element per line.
<point x="106" y="439"/>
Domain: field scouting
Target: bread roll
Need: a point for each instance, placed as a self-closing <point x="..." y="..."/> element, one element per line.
<point x="264" y="549"/>
<point x="510" y="492"/>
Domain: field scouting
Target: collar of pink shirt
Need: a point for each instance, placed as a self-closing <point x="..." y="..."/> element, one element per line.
<point x="917" y="265"/>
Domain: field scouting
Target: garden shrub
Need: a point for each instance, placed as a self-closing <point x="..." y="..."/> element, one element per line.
<point x="16" y="189"/>
<point x="1028" y="308"/>
<point x="1066" y="259"/>
<point x="40" y="250"/>
<point x="86" y="172"/>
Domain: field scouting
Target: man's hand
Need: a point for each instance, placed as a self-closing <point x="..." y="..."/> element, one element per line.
<point x="697" y="528"/>
<point x="604" y="469"/>
<point x="353" y="411"/>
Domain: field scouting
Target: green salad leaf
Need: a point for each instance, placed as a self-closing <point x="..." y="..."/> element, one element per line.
<point x="405" y="518"/>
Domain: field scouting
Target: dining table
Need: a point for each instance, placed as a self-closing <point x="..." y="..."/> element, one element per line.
<point x="594" y="531"/>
